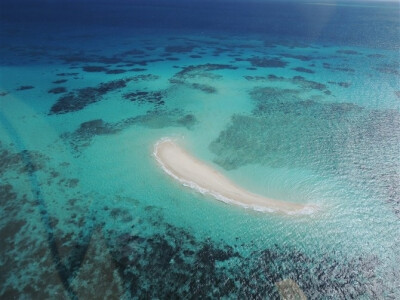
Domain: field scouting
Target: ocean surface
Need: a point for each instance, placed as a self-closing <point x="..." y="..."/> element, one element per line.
<point x="297" y="101"/>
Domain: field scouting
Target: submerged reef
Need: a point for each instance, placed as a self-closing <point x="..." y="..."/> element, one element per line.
<point x="157" y="118"/>
<point x="338" y="68"/>
<point x="98" y="69"/>
<point x="57" y="90"/>
<point x="309" y="84"/>
<point x="20" y="162"/>
<point x="299" y="57"/>
<point x="341" y="83"/>
<point x="262" y="62"/>
<point x="82" y="136"/>
<point x="66" y="74"/>
<point x="94" y="69"/>
<point x="303" y="70"/>
<point x="80" y="98"/>
<point x="25" y="87"/>
<point x="175" y="263"/>
<point x="60" y="81"/>
<point x="300" y="81"/>
<point x="186" y="76"/>
<point x="202" y="71"/>
<point x="141" y="255"/>
<point x="136" y="253"/>
<point x="389" y="68"/>
<point x="153" y="97"/>
<point x="160" y="118"/>
<point x="138" y="70"/>
<point x="115" y="71"/>
<point x="286" y="129"/>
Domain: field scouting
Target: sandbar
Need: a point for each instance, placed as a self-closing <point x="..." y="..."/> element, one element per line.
<point x="196" y="174"/>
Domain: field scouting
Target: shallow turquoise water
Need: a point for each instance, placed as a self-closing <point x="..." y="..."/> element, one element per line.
<point x="87" y="210"/>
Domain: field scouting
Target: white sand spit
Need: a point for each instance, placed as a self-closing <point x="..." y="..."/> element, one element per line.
<point x="197" y="175"/>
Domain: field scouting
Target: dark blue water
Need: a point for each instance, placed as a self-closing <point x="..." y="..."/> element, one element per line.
<point x="373" y="24"/>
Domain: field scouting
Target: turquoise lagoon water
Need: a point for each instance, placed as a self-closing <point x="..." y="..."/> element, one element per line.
<point x="87" y="212"/>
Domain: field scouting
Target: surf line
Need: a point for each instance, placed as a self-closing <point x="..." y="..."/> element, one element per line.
<point x="197" y="175"/>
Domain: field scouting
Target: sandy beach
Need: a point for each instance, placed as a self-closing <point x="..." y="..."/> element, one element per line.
<point x="198" y="175"/>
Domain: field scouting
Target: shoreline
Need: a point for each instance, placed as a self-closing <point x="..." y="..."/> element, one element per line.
<point x="193" y="173"/>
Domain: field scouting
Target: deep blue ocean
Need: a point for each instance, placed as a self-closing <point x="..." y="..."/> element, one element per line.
<point x="294" y="100"/>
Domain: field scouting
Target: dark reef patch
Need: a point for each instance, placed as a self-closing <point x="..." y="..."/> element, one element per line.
<point x="57" y="90"/>
<point x="299" y="57"/>
<point x="115" y="71"/>
<point x="7" y="197"/>
<point x="161" y="118"/>
<point x="80" y="98"/>
<point x="392" y="68"/>
<point x="68" y="183"/>
<point x="262" y="62"/>
<point x="25" y="87"/>
<point x="94" y="127"/>
<point x="309" y="84"/>
<point x="257" y="78"/>
<point x="21" y="162"/>
<point x="220" y="50"/>
<point x="143" y="62"/>
<point x="146" y="97"/>
<point x="82" y="136"/>
<point x="303" y="70"/>
<point x="213" y="269"/>
<point x="195" y="56"/>
<point x="2" y="94"/>
<point x="67" y="74"/>
<point x="28" y="253"/>
<point x="338" y="68"/>
<point x="60" y="81"/>
<point x="300" y="81"/>
<point x="187" y="74"/>
<point x="199" y="70"/>
<point x="376" y="55"/>
<point x="94" y="69"/>
<point x="179" y="48"/>
<point x="203" y="87"/>
<point x="156" y="118"/>
<point x="341" y="83"/>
